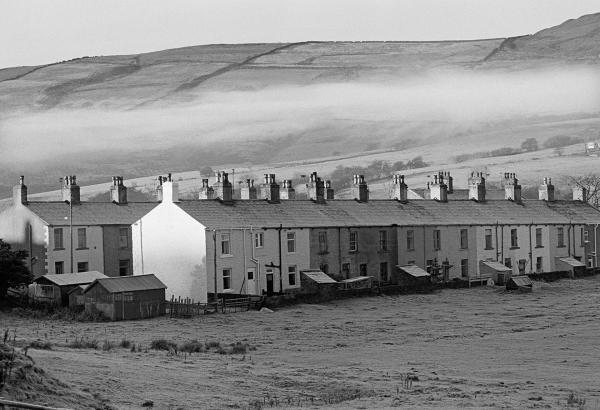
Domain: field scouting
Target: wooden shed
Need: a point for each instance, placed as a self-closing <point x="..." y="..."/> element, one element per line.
<point x="498" y="272"/>
<point x="411" y="276"/>
<point x="126" y="297"/>
<point x="313" y="281"/>
<point x="76" y="297"/>
<point x="571" y="265"/>
<point x="358" y="282"/>
<point x="54" y="289"/>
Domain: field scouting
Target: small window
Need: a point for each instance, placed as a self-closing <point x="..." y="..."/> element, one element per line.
<point x="538" y="264"/>
<point x="464" y="268"/>
<point x="82" y="267"/>
<point x="488" y="239"/>
<point x="586" y="234"/>
<point x="291" y="242"/>
<point x="124" y="267"/>
<point x="58" y="238"/>
<point x="508" y="262"/>
<point x="437" y="240"/>
<point x="383" y="239"/>
<point x="363" y="269"/>
<point x="522" y="266"/>
<point x="353" y="241"/>
<point x="259" y="240"/>
<point x="410" y="240"/>
<point x="226" y="279"/>
<point x="123" y="238"/>
<point x="346" y="270"/>
<point x="538" y="238"/>
<point x="514" y="242"/>
<point x="292" y="275"/>
<point x="59" y="267"/>
<point x="464" y="239"/>
<point x="324" y="268"/>
<point x="81" y="238"/>
<point x="322" y="242"/>
<point x="383" y="271"/>
<point x="225" y="244"/>
<point x="590" y="262"/>
<point x="560" y="234"/>
<point x="250" y="275"/>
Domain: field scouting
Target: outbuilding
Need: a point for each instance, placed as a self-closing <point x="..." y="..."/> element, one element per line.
<point x="522" y="283"/>
<point x="127" y="297"/>
<point x="571" y="265"/>
<point x="411" y="276"/>
<point x="314" y="281"/>
<point x="498" y="272"/>
<point x="54" y="289"/>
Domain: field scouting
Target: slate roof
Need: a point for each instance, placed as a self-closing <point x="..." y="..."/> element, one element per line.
<point x="497" y="266"/>
<point x="414" y="270"/>
<point x="460" y="193"/>
<point x="128" y="283"/>
<point x="318" y="276"/>
<point x="68" y="279"/>
<point x="91" y="213"/>
<point x="345" y="213"/>
<point x="572" y="262"/>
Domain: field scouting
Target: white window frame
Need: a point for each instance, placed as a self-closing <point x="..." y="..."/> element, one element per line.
<point x="353" y="241"/>
<point x="226" y="273"/>
<point x="291" y="242"/>
<point x="293" y="272"/>
<point x="259" y="239"/>
<point x="226" y="244"/>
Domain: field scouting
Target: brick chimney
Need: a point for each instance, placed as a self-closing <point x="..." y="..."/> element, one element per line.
<point x="400" y="189"/>
<point x="512" y="189"/>
<point x="248" y="191"/>
<point x="579" y="194"/>
<point x="329" y="192"/>
<point x="438" y="190"/>
<point x="287" y="190"/>
<point x="118" y="191"/>
<point x="223" y="188"/>
<point x="360" y="189"/>
<point x="448" y="180"/>
<point x="315" y="188"/>
<point x="477" y="187"/>
<point x="206" y="191"/>
<point x="70" y="190"/>
<point x="269" y="190"/>
<point x="158" y="189"/>
<point x="20" y="192"/>
<point x="546" y="190"/>
<point x="168" y="190"/>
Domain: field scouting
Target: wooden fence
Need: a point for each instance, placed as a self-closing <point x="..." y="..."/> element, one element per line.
<point x="189" y="308"/>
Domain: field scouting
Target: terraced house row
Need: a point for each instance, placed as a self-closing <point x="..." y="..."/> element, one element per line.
<point x="261" y="243"/>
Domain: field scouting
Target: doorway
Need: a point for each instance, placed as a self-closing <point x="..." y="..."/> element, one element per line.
<point x="251" y="281"/>
<point x="270" y="283"/>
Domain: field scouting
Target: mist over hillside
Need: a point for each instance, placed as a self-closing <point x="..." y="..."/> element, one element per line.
<point x="185" y="108"/>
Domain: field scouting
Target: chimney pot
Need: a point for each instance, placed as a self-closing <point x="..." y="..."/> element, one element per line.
<point x="546" y="191"/>
<point x="118" y="192"/>
<point x="20" y="192"/>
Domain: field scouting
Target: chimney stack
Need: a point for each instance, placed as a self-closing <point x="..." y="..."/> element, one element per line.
<point x="118" y="191"/>
<point x="167" y="190"/>
<point x="579" y="194"/>
<point x="400" y="192"/>
<point x="70" y="190"/>
<point x="546" y="190"/>
<point x="316" y="188"/>
<point x="438" y="190"/>
<point x="269" y="190"/>
<point x="512" y="188"/>
<point x="223" y="189"/>
<point x="360" y="190"/>
<point x="477" y="186"/>
<point x="248" y="191"/>
<point x="20" y="192"/>
<point x="206" y="191"/>
<point x="287" y="190"/>
<point x="329" y="192"/>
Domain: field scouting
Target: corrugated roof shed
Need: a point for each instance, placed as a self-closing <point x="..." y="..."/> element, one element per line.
<point x="68" y="279"/>
<point x="572" y="262"/>
<point x="414" y="270"/>
<point x="497" y="266"/>
<point x="341" y="213"/>
<point x="91" y="213"/>
<point x="128" y="283"/>
<point x="318" y="276"/>
<point x="357" y="279"/>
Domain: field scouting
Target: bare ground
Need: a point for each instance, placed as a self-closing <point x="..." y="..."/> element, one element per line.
<point x="480" y="347"/>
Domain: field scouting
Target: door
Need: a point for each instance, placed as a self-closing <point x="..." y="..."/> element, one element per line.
<point x="270" y="284"/>
<point x="251" y="281"/>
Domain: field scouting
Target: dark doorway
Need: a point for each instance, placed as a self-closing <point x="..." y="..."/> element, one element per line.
<point x="269" y="284"/>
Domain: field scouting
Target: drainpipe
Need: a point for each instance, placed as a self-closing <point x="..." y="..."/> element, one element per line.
<point x="424" y="249"/>
<point x="497" y="248"/>
<point x="574" y="241"/>
<point x="502" y="245"/>
<point x="254" y="260"/>
<point x="340" y="250"/>
<point x="280" y="260"/>
<point x="596" y="246"/>
<point x="244" y="255"/>
<point x="215" y="262"/>
<point x="569" y="238"/>
<point x="530" y="250"/>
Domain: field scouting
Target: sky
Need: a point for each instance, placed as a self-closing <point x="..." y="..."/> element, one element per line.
<point x="36" y="32"/>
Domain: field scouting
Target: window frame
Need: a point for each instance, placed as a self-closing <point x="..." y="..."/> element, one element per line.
<point x="226" y="277"/>
<point x="82" y="238"/>
<point x="62" y="267"/>
<point x="122" y="263"/>
<point x="489" y="239"/>
<point x="410" y="240"/>
<point x="87" y="266"/>
<point x="514" y="238"/>
<point x="464" y="268"/>
<point x="384" y="272"/>
<point x="383" y="241"/>
<point x="322" y="239"/>
<point x="123" y="239"/>
<point x="353" y="241"/>
<point x="560" y="236"/>
<point x="539" y="237"/>
<point x="58" y="233"/>
<point x="539" y="264"/>
<point x="226" y="244"/>
<point x="291" y="241"/>
<point x="259" y="240"/>
<point x="437" y="240"/>
<point x="464" y="238"/>
<point x="292" y="273"/>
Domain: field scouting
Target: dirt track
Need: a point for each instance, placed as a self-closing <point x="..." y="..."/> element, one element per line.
<point x="473" y="347"/>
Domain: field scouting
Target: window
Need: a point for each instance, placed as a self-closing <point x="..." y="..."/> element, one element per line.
<point x="226" y="279"/>
<point x="353" y="241"/>
<point x="363" y="269"/>
<point x="383" y="271"/>
<point x="437" y="243"/>
<point x="123" y="238"/>
<point x="58" y="238"/>
<point x="59" y="267"/>
<point x="346" y="270"/>
<point x="508" y="262"/>
<point x="259" y="240"/>
<point x="590" y="262"/>
<point x="81" y="238"/>
<point x="82" y="267"/>
<point x="323" y="242"/>
<point x="514" y="243"/>
<point x="464" y="239"/>
<point x="324" y="268"/>
<point x="560" y="233"/>
<point x="383" y="240"/>
<point x="586" y="234"/>
<point x="538" y="238"/>
<point x="292" y="275"/>
<point x="522" y="265"/>
<point x="225" y="244"/>
<point x="124" y="267"/>
<point x="291" y="242"/>
<point x="488" y="239"/>
<point x="410" y="240"/>
<point x="464" y="268"/>
<point x="538" y="264"/>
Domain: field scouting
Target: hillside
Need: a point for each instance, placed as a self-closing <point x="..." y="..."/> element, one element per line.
<point x="251" y="105"/>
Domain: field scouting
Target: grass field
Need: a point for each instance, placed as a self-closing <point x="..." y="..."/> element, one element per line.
<point x="480" y="347"/>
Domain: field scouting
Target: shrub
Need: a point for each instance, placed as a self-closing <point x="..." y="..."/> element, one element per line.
<point x="561" y="141"/>
<point x="163" y="344"/>
<point x="212" y="344"/>
<point x="83" y="343"/>
<point x="41" y="345"/>
<point x="193" y="346"/>
<point x="125" y="344"/>
<point x="107" y="345"/>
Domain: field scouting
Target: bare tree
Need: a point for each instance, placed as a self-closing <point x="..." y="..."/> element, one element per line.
<point x="591" y="183"/>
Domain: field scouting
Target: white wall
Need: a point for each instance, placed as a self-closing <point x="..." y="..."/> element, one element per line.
<point x="171" y="244"/>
